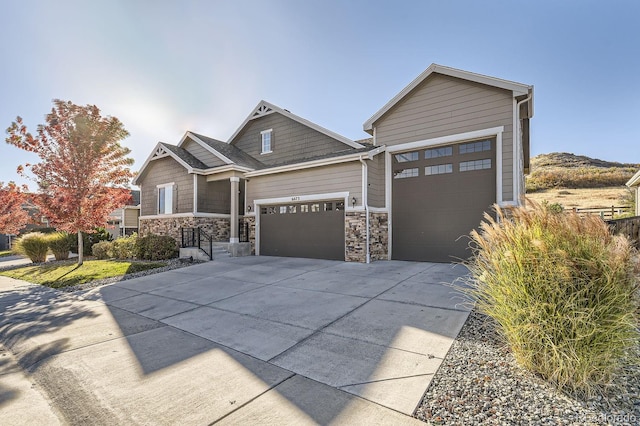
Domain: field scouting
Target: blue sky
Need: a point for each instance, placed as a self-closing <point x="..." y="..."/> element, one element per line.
<point x="164" y="67"/>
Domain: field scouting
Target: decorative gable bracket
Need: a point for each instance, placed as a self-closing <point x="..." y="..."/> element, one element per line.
<point x="159" y="152"/>
<point x="262" y="110"/>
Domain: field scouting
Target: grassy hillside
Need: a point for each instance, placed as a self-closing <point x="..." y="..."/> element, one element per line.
<point x="576" y="181"/>
<point x="569" y="171"/>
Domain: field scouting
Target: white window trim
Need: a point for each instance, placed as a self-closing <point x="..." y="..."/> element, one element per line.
<point x="262" y="133"/>
<point x="165" y="186"/>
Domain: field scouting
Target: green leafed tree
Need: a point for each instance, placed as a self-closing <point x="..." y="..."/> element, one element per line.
<point x="84" y="171"/>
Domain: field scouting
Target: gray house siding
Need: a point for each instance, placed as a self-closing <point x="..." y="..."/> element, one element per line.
<point x="214" y="197"/>
<point x="376" y="194"/>
<point x="161" y="171"/>
<point x="131" y="218"/>
<point x="202" y="153"/>
<point x="345" y="177"/>
<point x="290" y="140"/>
<point x="443" y="105"/>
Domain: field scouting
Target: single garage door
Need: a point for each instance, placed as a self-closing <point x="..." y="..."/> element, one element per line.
<point x="314" y="230"/>
<point x="439" y="195"/>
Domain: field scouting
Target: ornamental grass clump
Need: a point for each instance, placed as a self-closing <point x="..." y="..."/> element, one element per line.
<point x="60" y="245"/>
<point x="34" y="245"/>
<point x="563" y="291"/>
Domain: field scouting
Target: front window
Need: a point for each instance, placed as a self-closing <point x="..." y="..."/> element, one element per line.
<point x="165" y="199"/>
<point x="266" y="141"/>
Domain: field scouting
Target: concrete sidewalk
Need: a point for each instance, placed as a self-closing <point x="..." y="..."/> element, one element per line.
<point x="244" y="340"/>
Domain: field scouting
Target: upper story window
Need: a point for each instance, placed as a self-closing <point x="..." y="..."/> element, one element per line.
<point x="267" y="139"/>
<point x="165" y="198"/>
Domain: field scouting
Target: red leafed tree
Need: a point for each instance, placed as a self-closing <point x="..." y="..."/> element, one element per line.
<point x="84" y="172"/>
<point x="12" y="216"/>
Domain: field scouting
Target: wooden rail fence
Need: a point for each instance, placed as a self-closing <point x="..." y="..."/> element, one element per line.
<point x="606" y="213"/>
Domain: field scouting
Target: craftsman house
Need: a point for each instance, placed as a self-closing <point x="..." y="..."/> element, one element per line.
<point x="441" y="152"/>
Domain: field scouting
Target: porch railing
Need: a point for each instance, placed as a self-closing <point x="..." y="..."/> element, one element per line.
<point x="243" y="232"/>
<point x="197" y="237"/>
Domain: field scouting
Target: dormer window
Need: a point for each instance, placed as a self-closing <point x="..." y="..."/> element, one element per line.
<point x="266" y="140"/>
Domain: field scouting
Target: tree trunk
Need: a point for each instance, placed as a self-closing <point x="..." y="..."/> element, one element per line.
<point x="80" y="248"/>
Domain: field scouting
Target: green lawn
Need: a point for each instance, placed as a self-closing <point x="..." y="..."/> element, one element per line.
<point x="4" y="253"/>
<point x="64" y="274"/>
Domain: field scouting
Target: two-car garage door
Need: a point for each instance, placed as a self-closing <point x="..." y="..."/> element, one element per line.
<point x="314" y="229"/>
<point x="439" y="195"/>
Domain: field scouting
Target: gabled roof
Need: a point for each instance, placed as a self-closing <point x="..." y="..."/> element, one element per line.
<point x="265" y="108"/>
<point x="635" y="180"/>
<point x="227" y="153"/>
<point x="185" y="158"/>
<point x="518" y="89"/>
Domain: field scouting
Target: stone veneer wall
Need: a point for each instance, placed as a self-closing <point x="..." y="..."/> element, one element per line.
<point x="378" y="236"/>
<point x="251" y="220"/>
<point x="355" y="237"/>
<point x="218" y="227"/>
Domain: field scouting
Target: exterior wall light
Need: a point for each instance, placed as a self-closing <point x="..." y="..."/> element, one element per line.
<point x="353" y="202"/>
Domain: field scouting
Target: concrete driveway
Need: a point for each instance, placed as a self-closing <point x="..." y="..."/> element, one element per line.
<point x="241" y="340"/>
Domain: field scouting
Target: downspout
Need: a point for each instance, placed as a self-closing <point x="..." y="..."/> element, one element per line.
<point x="521" y="183"/>
<point x="365" y="202"/>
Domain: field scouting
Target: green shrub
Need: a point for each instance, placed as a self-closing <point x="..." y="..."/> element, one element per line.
<point x="124" y="247"/>
<point x="88" y="240"/>
<point x="103" y="250"/>
<point x="563" y="292"/>
<point x="59" y="244"/>
<point x="34" y="245"/>
<point x="156" y="247"/>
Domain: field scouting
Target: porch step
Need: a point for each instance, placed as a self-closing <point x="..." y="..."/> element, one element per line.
<point x="193" y="252"/>
<point x="219" y="250"/>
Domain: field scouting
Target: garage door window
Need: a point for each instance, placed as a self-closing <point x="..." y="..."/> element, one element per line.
<point x="445" y="151"/>
<point x="405" y="173"/>
<point x="407" y="156"/>
<point x="467" y="166"/>
<point x="479" y="146"/>
<point x="439" y="169"/>
<point x="315" y="208"/>
<point x="304" y="208"/>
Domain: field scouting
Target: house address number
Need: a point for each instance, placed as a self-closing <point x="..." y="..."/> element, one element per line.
<point x="295" y="198"/>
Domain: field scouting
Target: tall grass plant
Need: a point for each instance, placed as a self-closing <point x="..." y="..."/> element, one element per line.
<point x="34" y="245"/>
<point x="563" y="291"/>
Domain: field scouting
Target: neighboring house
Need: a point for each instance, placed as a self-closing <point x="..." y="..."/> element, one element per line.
<point x="443" y="150"/>
<point x="36" y="220"/>
<point x="634" y="184"/>
<point x="124" y="221"/>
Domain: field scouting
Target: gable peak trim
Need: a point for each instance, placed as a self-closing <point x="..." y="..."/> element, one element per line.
<point x="517" y="89"/>
<point x="261" y="110"/>
<point x="265" y="108"/>
<point x="160" y="151"/>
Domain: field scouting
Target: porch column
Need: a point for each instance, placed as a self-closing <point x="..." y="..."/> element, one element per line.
<point x="235" y="205"/>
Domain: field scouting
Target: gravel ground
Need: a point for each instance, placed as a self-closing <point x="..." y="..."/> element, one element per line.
<point x="479" y="382"/>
